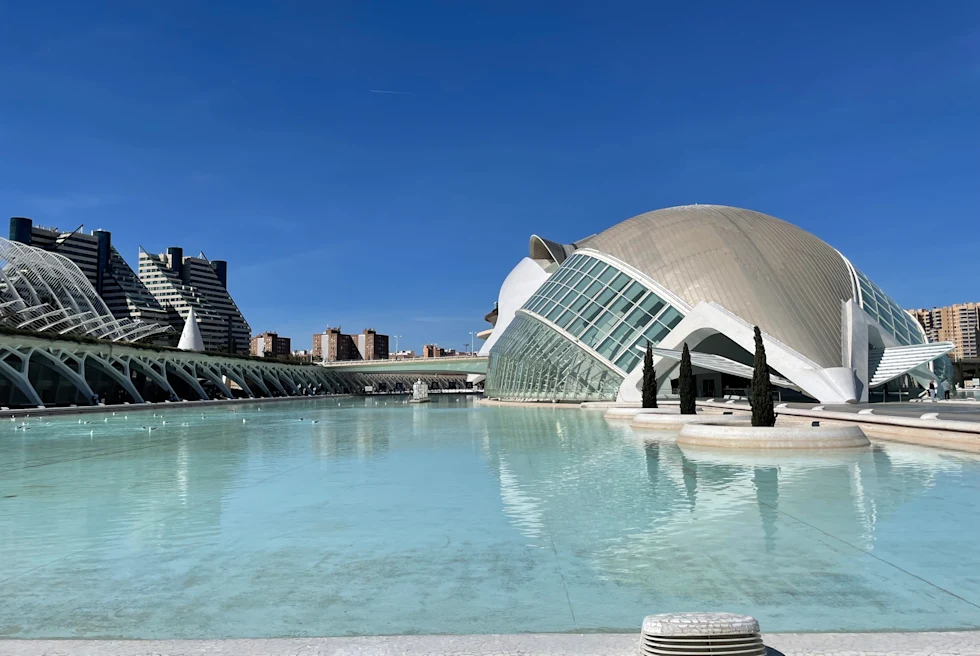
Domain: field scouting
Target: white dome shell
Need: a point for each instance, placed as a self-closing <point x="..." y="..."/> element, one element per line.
<point x="765" y="270"/>
<point x="519" y="285"/>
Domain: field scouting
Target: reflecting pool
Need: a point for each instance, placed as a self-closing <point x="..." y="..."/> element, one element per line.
<point x="373" y="516"/>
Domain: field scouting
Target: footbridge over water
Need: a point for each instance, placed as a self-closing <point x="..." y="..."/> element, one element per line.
<point x="452" y="372"/>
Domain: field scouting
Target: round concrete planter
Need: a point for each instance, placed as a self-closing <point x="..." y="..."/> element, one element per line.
<point x="629" y="413"/>
<point x="675" y="421"/>
<point x="772" y="437"/>
<point x="605" y="405"/>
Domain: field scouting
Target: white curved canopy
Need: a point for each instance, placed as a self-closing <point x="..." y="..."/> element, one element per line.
<point x="46" y="292"/>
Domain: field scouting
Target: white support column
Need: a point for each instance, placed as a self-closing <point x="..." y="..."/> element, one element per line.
<point x="123" y="381"/>
<point x="66" y="371"/>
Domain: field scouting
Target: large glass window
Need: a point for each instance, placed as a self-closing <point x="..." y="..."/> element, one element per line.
<point x="889" y="314"/>
<point x="533" y="362"/>
<point x="622" y="311"/>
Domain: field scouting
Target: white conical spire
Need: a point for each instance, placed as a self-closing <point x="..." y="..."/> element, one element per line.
<point x="190" y="338"/>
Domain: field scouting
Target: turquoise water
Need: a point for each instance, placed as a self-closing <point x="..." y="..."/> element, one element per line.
<point x="453" y="518"/>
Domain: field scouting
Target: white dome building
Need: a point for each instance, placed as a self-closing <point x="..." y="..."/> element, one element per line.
<point x="573" y="319"/>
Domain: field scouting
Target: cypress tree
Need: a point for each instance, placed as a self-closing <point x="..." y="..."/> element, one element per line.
<point x="649" y="387"/>
<point x="763" y="413"/>
<point x="686" y="385"/>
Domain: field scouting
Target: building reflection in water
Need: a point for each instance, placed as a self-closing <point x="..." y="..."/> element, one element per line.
<point x="766" y="480"/>
<point x="569" y="472"/>
<point x="356" y="433"/>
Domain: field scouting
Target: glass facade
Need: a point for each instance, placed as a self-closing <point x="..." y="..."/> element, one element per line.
<point x="606" y="310"/>
<point x="899" y="323"/>
<point x="531" y="361"/>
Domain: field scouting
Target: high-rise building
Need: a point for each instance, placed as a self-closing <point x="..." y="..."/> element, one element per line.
<point x="953" y="323"/>
<point x="106" y="270"/>
<point x="930" y="320"/>
<point x="334" y="346"/>
<point x="270" y="345"/>
<point x="179" y="283"/>
<point x="433" y="351"/>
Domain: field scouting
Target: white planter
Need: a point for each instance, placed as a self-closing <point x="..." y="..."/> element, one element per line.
<point x="772" y="437"/>
<point x="629" y="413"/>
<point x="677" y="421"/>
<point x="605" y="405"/>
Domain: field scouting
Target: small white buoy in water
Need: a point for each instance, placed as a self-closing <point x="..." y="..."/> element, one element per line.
<point x="105" y="421"/>
<point x="91" y="433"/>
<point x="314" y="422"/>
<point x="244" y="421"/>
<point x="79" y="421"/>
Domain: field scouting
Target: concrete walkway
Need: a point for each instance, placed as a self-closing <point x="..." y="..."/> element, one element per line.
<point x="965" y="643"/>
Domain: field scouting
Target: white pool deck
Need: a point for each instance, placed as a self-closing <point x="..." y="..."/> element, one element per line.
<point x="961" y="643"/>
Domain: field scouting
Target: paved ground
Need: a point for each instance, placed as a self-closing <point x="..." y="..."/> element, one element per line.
<point x="957" y="411"/>
<point x="966" y="643"/>
<point x="954" y="411"/>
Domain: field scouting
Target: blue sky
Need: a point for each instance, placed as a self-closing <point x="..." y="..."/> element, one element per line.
<point x="249" y="130"/>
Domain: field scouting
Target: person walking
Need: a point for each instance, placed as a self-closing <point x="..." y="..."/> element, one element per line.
<point x="932" y="391"/>
<point x="947" y="388"/>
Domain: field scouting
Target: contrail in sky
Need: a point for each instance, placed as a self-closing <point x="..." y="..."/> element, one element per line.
<point x="393" y="93"/>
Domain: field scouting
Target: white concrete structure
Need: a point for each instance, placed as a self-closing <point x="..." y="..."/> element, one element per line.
<point x="46" y="292"/>
<point x="772" y="437"/>
<point x="108" y="273"/>
<point x="190" y="337"/>
<point x="36" y="371"/>
<point x="677" y="421"/>
<point x="703" y="275"/>
<point x="518" y="286"/>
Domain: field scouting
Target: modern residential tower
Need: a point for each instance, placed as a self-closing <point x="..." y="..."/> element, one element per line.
<point x="179" y="283"/>
<point x="953" y="323"/>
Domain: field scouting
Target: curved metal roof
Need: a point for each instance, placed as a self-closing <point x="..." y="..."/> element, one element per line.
<point x="765" y="270"/>
<point x="47" y="292"/>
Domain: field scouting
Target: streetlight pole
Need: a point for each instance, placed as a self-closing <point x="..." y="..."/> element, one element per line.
<point x="396" y="343"/>
<point x="473" y="341"/>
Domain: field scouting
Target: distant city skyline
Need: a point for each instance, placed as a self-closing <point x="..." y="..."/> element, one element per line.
<point x="342" y="160"/>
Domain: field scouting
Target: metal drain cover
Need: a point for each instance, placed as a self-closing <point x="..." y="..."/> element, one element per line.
<point x="701" y="634"/>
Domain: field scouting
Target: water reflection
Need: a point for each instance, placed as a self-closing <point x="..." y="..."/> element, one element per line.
<point x="766" y="480"/>
<point x="695" y="503"/>
<point x="453" y="518"/>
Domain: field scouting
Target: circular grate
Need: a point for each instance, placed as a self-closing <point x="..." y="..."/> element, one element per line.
<point x="701" y="634"/>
